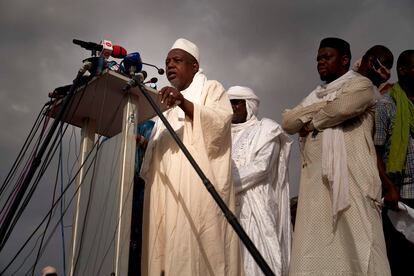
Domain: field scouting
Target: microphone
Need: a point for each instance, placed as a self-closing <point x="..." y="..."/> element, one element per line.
<point x="135" y="80"/>
<point x="114" y="51"/>
<point x="152" y="80"/>
<point x="104" y="47"/>
<point x="160" y="70"/>
<point x="91" y="46"/>
<point x="118" y="51"/>
<point x="131" y="63"/>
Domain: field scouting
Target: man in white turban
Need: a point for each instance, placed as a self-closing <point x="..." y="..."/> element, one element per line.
<point x="184" y="230"/>
<point x="260" y="153"/>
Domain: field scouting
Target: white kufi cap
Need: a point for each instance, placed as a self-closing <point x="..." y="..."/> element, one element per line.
<point x="187" y="46"/>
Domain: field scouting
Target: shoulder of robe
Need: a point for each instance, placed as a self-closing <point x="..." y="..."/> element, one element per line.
<point x="271" y="127"/>
<point x="213" y="85"/>
<point x="359" y="83"/>
<point x="214" y="90"/>
<point x="269" y="123"/>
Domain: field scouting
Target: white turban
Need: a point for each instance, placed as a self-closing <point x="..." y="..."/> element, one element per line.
<point x="245" y="93"/>
<point x="187" y="46"/>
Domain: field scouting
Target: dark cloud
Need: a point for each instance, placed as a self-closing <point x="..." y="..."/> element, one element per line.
<point x="267" y="45"/>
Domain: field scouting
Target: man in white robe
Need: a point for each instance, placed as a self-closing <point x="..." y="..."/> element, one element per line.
<point x="184" y="230"/>
<point x="338" y="229"/>
<point x="260" y="154"/>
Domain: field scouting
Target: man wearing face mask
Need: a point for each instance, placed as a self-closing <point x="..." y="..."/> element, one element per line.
<point x="394" y="128"/>
<point x="338" y="223"/>
<point x="184" y="230"/>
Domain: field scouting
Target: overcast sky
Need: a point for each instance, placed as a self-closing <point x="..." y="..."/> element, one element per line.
<point x="269" y="46"/>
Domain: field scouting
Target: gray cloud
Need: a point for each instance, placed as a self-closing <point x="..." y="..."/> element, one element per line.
<point x="267" y="45"/>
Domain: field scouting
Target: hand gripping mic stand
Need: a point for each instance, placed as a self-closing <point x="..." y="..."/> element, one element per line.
<point x="226" y="211"/>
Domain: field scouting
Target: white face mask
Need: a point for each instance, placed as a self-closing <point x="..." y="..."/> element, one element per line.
<point x="403" y="220"/>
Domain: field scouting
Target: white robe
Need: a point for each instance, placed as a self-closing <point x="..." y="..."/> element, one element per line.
<point x="354" y="245"/>
<point x="260" y="154"/>
<point x="184" y="230"/>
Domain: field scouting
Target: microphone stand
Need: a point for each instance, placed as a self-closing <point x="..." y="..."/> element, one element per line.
<point x="209" y="186"/>
<point x="5" y="229"/>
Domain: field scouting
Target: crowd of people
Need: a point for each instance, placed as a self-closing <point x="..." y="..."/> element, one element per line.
<point x="357" y="155"/>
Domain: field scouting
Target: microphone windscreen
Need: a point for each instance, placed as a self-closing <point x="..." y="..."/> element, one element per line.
<point x="132" y="61"/>
<point x="118" y="51"/>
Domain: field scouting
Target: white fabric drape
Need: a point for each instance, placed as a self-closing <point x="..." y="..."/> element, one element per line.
<point x="260" y="170"/>
<point x="193" y="94"/>
<point x="334" y="157"/>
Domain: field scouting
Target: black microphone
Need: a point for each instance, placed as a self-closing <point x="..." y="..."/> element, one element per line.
<point x="152" y="80"/>
<point x="115" y="51"/>
<point x="91" y="46"/>
<point x="135" y="80"/>
<point x="160" y="70"/>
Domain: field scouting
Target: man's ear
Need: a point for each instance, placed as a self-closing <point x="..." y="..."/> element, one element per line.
<point x="195" y="67"/>
<point x="345" y="60"/>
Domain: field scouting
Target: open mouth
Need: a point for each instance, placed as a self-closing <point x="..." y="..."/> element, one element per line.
<point x="171" y="75"/>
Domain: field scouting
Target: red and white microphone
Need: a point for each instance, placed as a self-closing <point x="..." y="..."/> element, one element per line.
<point x="110" y="50"/>
<point x="107" y="49"/>
<point x="118" y="51"/>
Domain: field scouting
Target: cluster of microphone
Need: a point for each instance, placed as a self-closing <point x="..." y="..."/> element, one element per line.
<point x="130" y="65"/>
